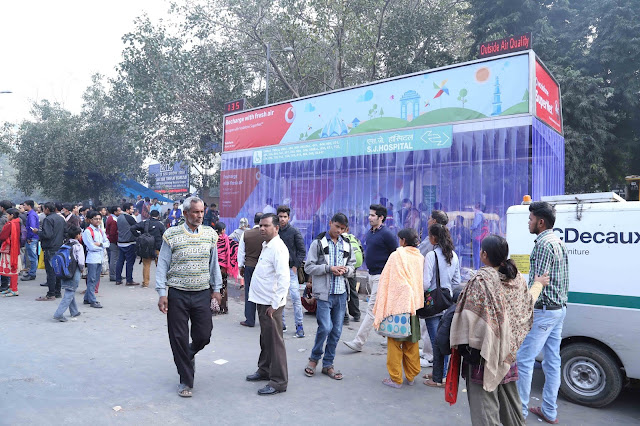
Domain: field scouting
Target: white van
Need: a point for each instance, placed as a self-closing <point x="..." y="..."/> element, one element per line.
<point x="601" y="334"/>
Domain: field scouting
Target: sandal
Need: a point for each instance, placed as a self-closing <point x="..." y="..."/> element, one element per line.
<point x="310" y="370"/>
<point x="184" y="391"/>
<point x="428" y="376"/>
<point x="391" y="383"/>
<point x="331" y="372"/>
<point x="11" y="293"/>
<point x="430" y="382"/>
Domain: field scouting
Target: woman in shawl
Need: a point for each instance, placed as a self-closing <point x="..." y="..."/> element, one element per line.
<point x="400" y="292"/>
<point x="492" y="318"/>
<point x="228" y="261"/>
<point x="10" y="251"/>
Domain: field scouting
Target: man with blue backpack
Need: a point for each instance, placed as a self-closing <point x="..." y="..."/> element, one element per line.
<point x="68" y="264"/>
<point x="96" y="241"/>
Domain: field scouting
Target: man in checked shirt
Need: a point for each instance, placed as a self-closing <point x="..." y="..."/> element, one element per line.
<point x="549" y="256"/>
<point x="330" y="261"/>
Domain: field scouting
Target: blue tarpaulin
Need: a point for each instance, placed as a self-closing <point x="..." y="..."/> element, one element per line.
<point x="133" y="189"/>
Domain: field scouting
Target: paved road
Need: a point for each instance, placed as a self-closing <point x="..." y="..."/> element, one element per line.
<point x="76" y="372"/>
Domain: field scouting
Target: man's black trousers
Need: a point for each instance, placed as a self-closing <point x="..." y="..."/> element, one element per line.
<point x="185" y="306"/>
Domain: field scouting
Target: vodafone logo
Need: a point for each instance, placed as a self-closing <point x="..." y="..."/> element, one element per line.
<point x="290" y="115"/>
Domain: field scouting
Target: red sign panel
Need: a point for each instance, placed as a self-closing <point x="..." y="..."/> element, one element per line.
<point x="505" y="45"/>
<point x="235" y="188"/>
<point x="256" y="129"/>
<point x="547" y="99"/>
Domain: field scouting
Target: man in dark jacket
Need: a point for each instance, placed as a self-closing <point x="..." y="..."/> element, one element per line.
<point x="127" y="244"/>
<point x="156" y="229"/>
<point x="292" y="238"/>
<point x="51" y="238"/>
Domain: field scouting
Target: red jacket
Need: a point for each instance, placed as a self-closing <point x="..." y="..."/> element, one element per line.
<point x="112" y="230"/>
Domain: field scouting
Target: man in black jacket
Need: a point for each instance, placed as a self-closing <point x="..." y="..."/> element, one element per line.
<point x="292" y="238"/>
<point x="156" y="229"/>
<point x="126" y="244"/>
<point x="51" y="238"/>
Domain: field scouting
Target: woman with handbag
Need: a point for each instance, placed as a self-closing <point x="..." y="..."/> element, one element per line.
<point x="399" y="297"/>
<point x="492" y="318"/>
<point x="441" y="275"/>
<point x="10" y="251"/>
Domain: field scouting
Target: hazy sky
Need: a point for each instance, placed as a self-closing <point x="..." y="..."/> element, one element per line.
<point x="50" y="49"/>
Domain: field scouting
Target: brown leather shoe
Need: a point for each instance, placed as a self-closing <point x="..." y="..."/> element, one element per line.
<point x="132" y="283"/>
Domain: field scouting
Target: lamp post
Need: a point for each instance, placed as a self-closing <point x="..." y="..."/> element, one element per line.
<point x="286" y="49"/>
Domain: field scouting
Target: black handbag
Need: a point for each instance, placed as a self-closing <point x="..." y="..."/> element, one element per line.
<point x="436" y="300"/>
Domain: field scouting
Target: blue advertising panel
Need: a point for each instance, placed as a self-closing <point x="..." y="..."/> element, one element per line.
<point x="480" y="90"/>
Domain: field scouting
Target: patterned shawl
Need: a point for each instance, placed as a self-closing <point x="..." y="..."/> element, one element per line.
<point x="493" y="315"/>
<point x="400" y="287"/>
<point x="228" y="255"/>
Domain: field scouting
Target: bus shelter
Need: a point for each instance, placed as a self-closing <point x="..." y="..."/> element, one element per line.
<point x="479" y="134"/>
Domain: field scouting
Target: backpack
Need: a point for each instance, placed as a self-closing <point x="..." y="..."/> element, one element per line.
<point x="64" y="264"/>
<point x="357" y="249"/>
<point x="146" y="244"/>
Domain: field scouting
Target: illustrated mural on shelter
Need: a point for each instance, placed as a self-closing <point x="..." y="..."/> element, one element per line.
<point x="415" y="101"/>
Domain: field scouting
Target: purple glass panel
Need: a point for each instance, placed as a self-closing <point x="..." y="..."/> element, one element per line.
<point x="489" y="166"/>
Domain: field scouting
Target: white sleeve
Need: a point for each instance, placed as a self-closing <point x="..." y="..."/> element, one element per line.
<point x="282" y="282"/>
<point x="241" y="252"/>
<point x="429" y="263"/>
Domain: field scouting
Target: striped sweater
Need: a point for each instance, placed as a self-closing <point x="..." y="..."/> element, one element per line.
<point x="190" y="255"/>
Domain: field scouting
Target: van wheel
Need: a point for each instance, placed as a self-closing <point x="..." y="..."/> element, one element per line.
<point x="590" y="376"/>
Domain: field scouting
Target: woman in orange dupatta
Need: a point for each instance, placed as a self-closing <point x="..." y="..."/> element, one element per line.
<point x="10" y="252"/>
<point x="400" y="291"/>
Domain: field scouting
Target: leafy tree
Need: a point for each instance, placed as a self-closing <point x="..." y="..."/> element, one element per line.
<point x="592" y="49"/>
<point x="75" y="157"/>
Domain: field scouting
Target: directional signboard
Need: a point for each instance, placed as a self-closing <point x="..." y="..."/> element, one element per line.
<point x="170" y="179"/>
<point x="385" y="142"/>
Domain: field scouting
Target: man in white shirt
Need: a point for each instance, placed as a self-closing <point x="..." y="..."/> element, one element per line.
<point x="269" y="288"/>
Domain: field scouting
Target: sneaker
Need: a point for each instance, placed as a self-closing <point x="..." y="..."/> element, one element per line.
<point x="353" y="346"/>
<point x="61" y="319"/>
<point x="96" y="305"/>
<point x="76" y="315"/>
<point x="299" y="331"/>
<point x="284" y="328"/>
<point x="425" y="363"/>
<point x="346" y="321"/>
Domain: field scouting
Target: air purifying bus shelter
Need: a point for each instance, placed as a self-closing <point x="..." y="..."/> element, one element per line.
<point x="486" y="131"/>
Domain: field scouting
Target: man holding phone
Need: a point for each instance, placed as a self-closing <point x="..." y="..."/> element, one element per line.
<point x="32" y="225"/>
<point x="549" y="255"/>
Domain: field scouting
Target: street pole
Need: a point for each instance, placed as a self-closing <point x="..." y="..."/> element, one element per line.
<point x="266" y="95"/>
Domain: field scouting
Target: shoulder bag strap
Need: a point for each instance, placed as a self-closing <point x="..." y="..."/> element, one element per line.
<point x="437" y="270"/>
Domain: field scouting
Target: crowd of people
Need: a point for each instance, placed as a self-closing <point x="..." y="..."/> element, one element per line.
<point x="496" y="322"/>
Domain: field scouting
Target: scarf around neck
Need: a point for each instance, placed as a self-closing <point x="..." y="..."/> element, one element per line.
<point x="493" y="315"/>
